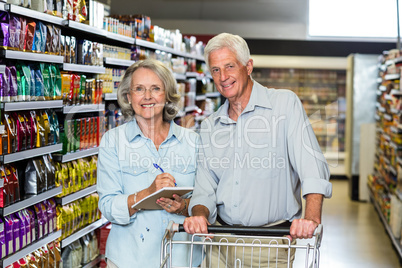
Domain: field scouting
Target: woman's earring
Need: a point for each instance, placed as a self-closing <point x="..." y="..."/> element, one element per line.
<point x="129" y="102"/>
<point x="167" y="103"/>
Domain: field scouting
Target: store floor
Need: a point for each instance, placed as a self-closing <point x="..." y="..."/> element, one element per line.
<point x="354" y="236"/>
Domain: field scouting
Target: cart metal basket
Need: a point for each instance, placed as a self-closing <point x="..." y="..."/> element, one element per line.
<point x="242" y="247"/>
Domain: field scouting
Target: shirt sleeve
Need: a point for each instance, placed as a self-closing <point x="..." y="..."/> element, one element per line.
<point x="112" y="201"/>
<point x="305" y="154"/>
<point x="205" y="184"/>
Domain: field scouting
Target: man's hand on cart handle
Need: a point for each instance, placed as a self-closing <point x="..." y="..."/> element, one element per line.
<point x="302" y="228"/>
<point x="198" y="223"/>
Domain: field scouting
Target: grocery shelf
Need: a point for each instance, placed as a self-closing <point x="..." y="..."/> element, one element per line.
<point x="395" y="241"/>
<point x="94" y="262"/>
<point x="30" y="201"/>
<point x="213" y="94"/>
<point x="382" y="88"/>
<point x="77" y="195"/>
<point x="118" y="62"/>
<point x="76" y="155"/>
<point x="396" y="92"/>
<point x="84" y="108"/>
<point x="180" y="76"/>
<point x="84" y="28"/>
<point x="30" y="56"/>
<point x="84" y="68"/>
<point x="9" y="158"/>
<point x="190" y="108"/>
<point x="152" y="45"/>
<point x="31" y="105"/>
<point x="86" y="230"/>
<point x="121" y="38"/>
<point x="393" y="61"/>
<point x="34" y="14"/>
<point x="198" y="76"/>
<point x="200" y="97"/>
<point x="30" y="248"/>
<point x="110" y="96"/>
<point x="391" y="76"/>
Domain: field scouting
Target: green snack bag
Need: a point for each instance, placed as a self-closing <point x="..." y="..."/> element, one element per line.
<point x="20" y="88"/>
<point x="44" y="68"/>
<point x="26" y="82"/>
<point x="56" y="94"/>
<point x="82" y="97"/>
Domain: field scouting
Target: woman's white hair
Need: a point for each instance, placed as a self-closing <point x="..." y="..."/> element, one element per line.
<point x="168" y="80"/>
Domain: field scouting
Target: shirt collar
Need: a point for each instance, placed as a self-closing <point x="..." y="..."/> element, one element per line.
<point x="259" y="97"/>
<point x="133" y="131"/>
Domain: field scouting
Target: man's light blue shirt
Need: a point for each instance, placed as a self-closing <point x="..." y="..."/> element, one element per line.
<point x="252" y="171"/>
<point x="125" y="166"/>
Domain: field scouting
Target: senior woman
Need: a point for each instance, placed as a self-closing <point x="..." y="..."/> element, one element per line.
<point x="126" y="172"/>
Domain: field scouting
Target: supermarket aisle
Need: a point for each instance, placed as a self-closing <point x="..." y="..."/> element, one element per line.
<point x="354" y="236"/>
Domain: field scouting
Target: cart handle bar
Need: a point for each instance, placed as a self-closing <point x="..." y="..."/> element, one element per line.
<point x="242" y="230"/>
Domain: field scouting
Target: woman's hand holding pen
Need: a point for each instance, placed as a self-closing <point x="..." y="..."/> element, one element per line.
<point x="161" y="181"/>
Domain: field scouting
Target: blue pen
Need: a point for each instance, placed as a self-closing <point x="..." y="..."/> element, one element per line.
<point x="158" y="167"/>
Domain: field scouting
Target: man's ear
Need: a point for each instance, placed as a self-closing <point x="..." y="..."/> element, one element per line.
<point x="249" y="66"/>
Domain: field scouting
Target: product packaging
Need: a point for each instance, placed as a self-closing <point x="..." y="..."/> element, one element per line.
<point x="32" y="220"/>
<point x="13" y="88"/>
<point x="9" y="234"/>
<point x="34" y="128"/>
<point x="73" y="50"/>
<point x="16" y="232"/>
<point x="11" y="128"/>
<point x="28" y="131"/>
<point x="46" y="125"/>
<point x="4" y="31"/>
<point x="23" y="230"/>
<point x="21" y="132"/>
<point x="49" y="39"/>
<point x="16" y="181"/>
<point x="14" y="31"/>
<point x="39" y="85"/>
<point x="29" y="35"/>
<point x="5" y="86"/>
<point x="23" y="23"/>
<point x="50" y="171"/>
<point x="2" y="240"/>
<point x="35" y="177"/>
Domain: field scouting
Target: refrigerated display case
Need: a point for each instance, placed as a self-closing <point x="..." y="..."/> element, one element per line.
<point x="361" y="88"/>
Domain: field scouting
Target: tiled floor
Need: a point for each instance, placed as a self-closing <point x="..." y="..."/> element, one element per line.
<point x="354" y="236"/>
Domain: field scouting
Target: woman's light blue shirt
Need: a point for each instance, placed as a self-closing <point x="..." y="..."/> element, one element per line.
<point x="125" y="166"/>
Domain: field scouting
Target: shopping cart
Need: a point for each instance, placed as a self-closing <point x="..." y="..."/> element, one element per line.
<point x="242" y="246"/>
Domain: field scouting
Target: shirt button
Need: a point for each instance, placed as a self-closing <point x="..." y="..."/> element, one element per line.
<point x="235" y="206"/>
<point x="184" y="170"/>
<point x="135" y="172"/>
<point x="237" y="182"/>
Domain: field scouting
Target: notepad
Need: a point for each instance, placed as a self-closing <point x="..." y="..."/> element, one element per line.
<point x="149" y="202"/>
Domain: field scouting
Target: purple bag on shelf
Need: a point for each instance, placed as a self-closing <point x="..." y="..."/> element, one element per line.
<point x="39" y="223"/>
<point x="4" y="92"/>
<point x="9" y="232"/>
<point x="13" y="87"/>
<point x="32" y="220"/>
<point x="16" y="232"/>
<point x="27" y="219"/>
<point x="14" y="31"/>
<point x="4" y="31"/>
<point x="23" y="229"/>
<point x="2" y="240"/>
